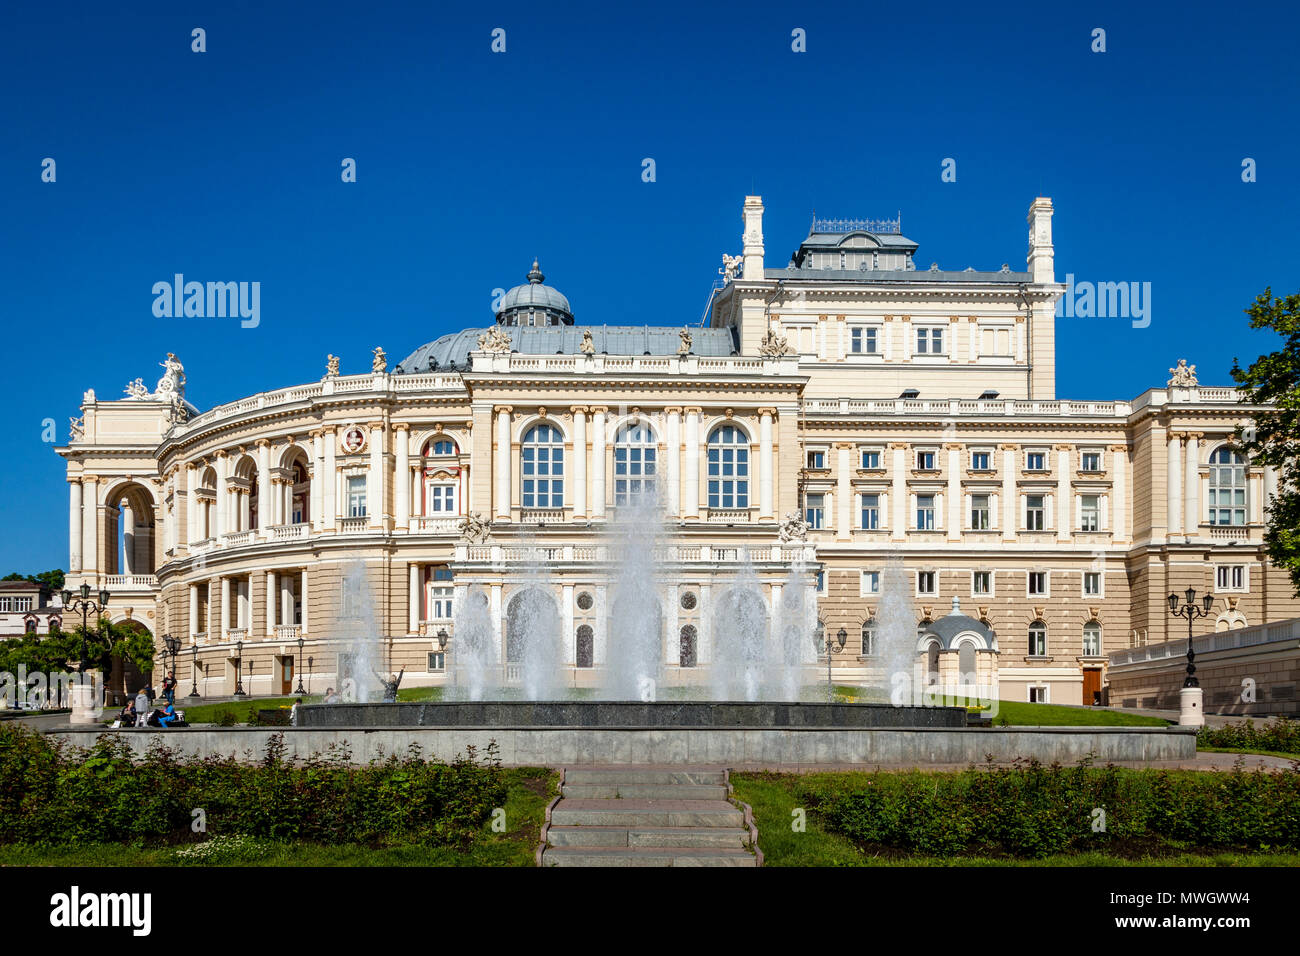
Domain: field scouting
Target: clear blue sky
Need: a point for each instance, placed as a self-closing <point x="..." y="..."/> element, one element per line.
<point x="225" y="166"/>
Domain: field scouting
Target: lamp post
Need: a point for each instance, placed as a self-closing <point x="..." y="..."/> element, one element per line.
<point x="194" y="672"/>
<point x="309" y="663"/>
<point x="81" y="601"/>
<point x="171" y="646"/>
<point x="300" y="690"/>
<point x="442" y="649"/>
<point x="250" y="677"/>
<point x="239" y="669"/>
<point x="1191" y="697"/>
<point x="829" y="645"/>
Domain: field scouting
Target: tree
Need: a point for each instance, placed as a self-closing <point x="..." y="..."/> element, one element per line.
<point x="53" y="580"/>
<point x="1273" y="438"/>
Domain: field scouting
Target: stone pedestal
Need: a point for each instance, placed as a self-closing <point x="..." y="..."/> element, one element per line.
<point x="1191" y="712"/>
<point x="85" y="705"/>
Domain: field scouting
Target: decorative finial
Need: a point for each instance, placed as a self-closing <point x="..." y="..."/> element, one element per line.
<point x="535" y="276"/>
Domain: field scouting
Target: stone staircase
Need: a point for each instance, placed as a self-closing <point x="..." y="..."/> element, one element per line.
<point x="647" y="816"/>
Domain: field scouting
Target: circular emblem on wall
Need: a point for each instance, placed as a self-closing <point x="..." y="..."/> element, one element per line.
<point x="353" y="439"/>
<point x="688" y="600"/>
<point x="585" y="601"/>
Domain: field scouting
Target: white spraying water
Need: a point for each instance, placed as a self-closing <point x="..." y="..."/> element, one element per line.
<point x="742" y="653"/>
<point x="634" y="667"/>
<point x="362" y="640"/>
<point x="795" y="621"/>
<point x="895" y="633"/>
<point x="533" y="632"/>
<point x="474" y="657"/>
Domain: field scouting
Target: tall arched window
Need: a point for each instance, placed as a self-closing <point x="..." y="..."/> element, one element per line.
<point x="586" y="647"/>
<point x="869" y="637"/>
<point x="966" y="663"/>
<point x="635" y="459"/>
<point x="1092" y="639"/>
<point x="728" y="468"/>
<point x="543" y="468"/>
<point x="686" y="656"/>
<point x="1227" y="487"/>
<point x="1037" y="639"/>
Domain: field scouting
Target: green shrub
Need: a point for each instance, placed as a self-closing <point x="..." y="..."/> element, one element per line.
<point x="1282" y="736"/>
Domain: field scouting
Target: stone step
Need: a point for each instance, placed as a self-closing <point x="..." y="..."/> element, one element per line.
<point x="646" y="856"/>
<point x="686" y="837"/>
<point x="644" y="791"/>
<point x="646" y="813"/>
<point x="604" y="776"/>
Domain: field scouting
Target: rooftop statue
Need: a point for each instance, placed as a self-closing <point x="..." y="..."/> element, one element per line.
<point x="495" y="339"/>
<point x="588" y="347"/>
<point x="685" y="347"/>
<point x="1184" y="375"/>
<point x="380" y="364"/>
<point x="773" y="344"/>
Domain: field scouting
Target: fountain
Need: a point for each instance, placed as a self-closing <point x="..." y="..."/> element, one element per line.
<point x="741" y="666"/>
<point x="476" y="672"/>
<point x="634" y="656"/>
<point x="795" y="620"/>
<point x="359" y="664"/>
<point x="533" y="632"/>
<point x="895" y="636"/>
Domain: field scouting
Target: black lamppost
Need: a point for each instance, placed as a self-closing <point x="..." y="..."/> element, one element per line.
<point x="829" y="645"/>
<point x="250" y="677"/>
<point x="300" y="690"/>
<point x="173" y="646"/>
<point x="309" y="663"/>
<point x="194" y="672"/>
<point x="82" y="601"/>
<point x="1191" y="611"/>
<point x="239" y="669"/>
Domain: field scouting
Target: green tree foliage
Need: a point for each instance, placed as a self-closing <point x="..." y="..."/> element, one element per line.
<point x="1274" y="437"/>
<point x="51" y="579"/>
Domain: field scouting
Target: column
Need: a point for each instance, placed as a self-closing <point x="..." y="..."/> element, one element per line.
<point x="317" y="480"/>
<point x="302" y="588"/>
<point x="843" y="491"/>
<point x="598" y="461"/>
<point x="245" y="509"/>
<point x="956" y="502"/>
<point x="376" y="504"/>
<point x="191" y="504"/>
<point x="89" y="527"/>
<point x="74" y="525"/>
<point x="127" y="562"/>
<point x="413" y="598"/>
<point x="673" y="428"/>
<point x="265" y="508"/>
<point x="502" y="465"/>
<point x="1120" y="499"/>
<point x="1065" y="509"/>
<point x="1010" y="499"/>
<point x="286" y="599"/>
<point x="1192" y="486"/>
<point x="898" y="491"/>
<point x="1174" y="493"/>
<point x="691" y="466"/>
<point x="579" y="459"/>
<point x="223" y="623"/>
<point x="222" y="517"/>
<point x="329" y="482"/>
<point x="766" y="466"/>
<point x="402" y="476"/>
<point x="272" y="613"/>
<point x="194" y="611"/>
<point x="244" y="604"/>
<point x="1270" y="488"/>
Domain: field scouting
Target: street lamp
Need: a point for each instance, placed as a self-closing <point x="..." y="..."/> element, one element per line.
<point x="239" y="669"/>
<point x="829" y="645"/>
<point x="173" y="647"/>
<point x="250" y="677"/>
<point x="301" y="642"/>
<point x="1191" y="611"/>
<point x="309" y="663"/>
<point x="82" y="601"/>
<point x="194" y="672"/>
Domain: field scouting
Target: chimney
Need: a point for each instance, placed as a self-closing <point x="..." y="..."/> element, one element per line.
<point x="1041" y="257"/>
<point x="753" y="238"/>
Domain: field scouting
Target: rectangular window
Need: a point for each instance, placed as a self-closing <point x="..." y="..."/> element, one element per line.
<point x="6" y="604"/>
<point x="870" y="583"/>
<point x="979" y="512"/>
<point x="821" y="582"/>
<point x="929" y="341"/>
<point x="356" y="496"/>
<point x="1230" y="577"/>
<point x="1038" y="584"/>
<point x="442" y="499"/>
<point x="981" y="583"/>
<point x="1036" y="461"/>
<point x="870" y="459"/>
<point x="543" y="473"/>
<point x="979" y="461"/>
<point x="1092" y="583"/>
<point x="863" y="341"/>
<point x="1035" y="513"/>
<point x="927" y="582"/>
<point x="925" y="512"/>
<point x="816" y="460"/>
<point x="440" y="603"/>
<point x="870" y="512"/>
<point x="437" y="661"/>
<point x="925" y="461"/>
<point x="1038" y="695"/>
<point x="814" y="511"/>
<point x="1091" y="461"/>
<point x="1089" y="513"/>
<point x="22" y="604"/>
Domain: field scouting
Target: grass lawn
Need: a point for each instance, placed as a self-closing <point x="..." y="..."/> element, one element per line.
<point x="1019" y="714"/>
<point x="1246" y="750"/>
<point x="773" y="801"/>
<point x="531" y="788"/>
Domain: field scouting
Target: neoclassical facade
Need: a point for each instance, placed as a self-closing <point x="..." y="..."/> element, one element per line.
<point x="842" y="410"/>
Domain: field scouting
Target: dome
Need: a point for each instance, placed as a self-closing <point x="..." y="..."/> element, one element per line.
<point x="954" y="625"/>
<point x="534" y="303"/>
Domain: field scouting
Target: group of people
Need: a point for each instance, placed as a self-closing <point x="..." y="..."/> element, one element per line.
<point x="139" y="710"/>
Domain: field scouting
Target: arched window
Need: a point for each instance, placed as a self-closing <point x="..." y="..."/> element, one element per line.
<point x="635" y="451"/>
<point x="586" y="647"/>
<point x="1227" y="487"/>
<point x="686" y="656"/>
<point x="1092" y="639"/>
<point x="1037" y="639"/>
<point x="932" y="663"/>
<point x="440" y="446"/>
<point x="543" y="468"/>
<point x="30" y="627"/>
<point x="728" y="468"/>
<point x="869" y="637"/>
<point x="966" y="663"/>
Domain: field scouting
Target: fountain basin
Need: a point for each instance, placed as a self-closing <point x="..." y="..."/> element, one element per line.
<point x="628" y="714"/>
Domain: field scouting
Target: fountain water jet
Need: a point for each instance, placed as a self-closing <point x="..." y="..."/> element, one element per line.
<point x="533" y="632"/>
<point x="741" y="661"/>
<point x="634" y="654"/>
<point x="363" y="639"/>
<point x="475" y="649"/>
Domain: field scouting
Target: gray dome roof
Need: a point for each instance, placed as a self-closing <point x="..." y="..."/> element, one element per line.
<point x="534" y="295"/>
<point x="955" y="623"/>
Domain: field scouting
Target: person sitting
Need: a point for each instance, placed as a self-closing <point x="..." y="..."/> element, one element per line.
<point x="167" y="716"/>
<point x="126" y="718"/>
